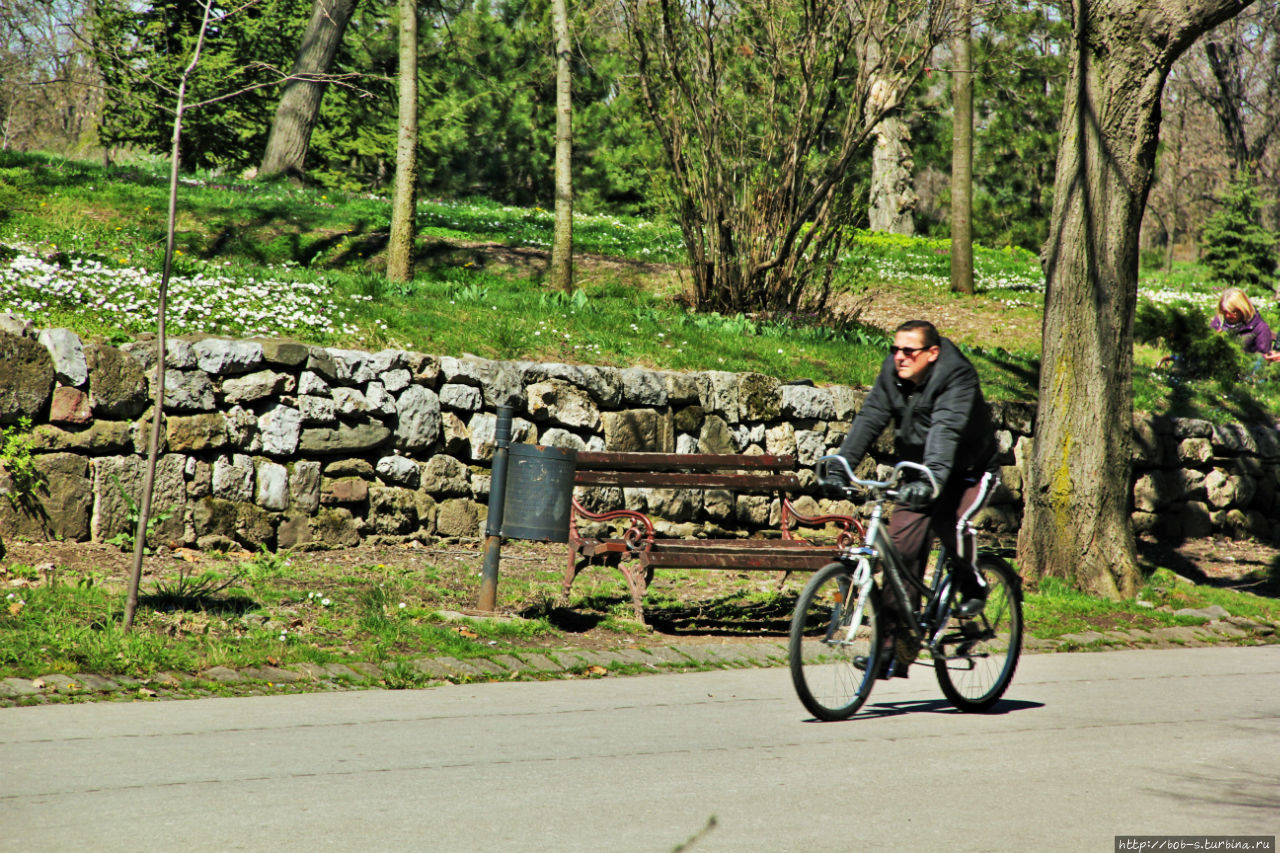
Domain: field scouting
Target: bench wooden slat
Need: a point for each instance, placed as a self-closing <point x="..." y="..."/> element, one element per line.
<point x="619" y="461"/>
<point x="669" y="480"/>
<point x="731" y="546"/>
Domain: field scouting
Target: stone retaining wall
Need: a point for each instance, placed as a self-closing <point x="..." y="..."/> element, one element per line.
<point x="286" y="445"/>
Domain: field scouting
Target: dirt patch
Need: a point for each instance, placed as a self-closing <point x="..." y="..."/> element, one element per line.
<point x="525" y="261"/>
<point x="972" y="320"/>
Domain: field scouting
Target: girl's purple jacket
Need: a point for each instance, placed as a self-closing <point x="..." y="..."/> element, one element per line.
<point x="1254" y="335"/>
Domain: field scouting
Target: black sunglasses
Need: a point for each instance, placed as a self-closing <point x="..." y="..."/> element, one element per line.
<point x="909" y="352"/>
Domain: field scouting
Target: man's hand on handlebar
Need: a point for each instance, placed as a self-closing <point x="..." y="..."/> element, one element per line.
<point x="833" y="486"/>
<point x="916" y="494"/>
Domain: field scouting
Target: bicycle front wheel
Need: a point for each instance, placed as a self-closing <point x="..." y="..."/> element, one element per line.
<point x="976" y="657"/>
<point x="834" y="622"/>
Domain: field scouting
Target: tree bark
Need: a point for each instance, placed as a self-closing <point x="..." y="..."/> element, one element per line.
<point x="562" y="241"/>
<point x="962" y="153"/>
<point x="893" y="198"/>
<point x="404" y="201"/>
<point x="299" y="106"/>
<point x="1076" y="520"/>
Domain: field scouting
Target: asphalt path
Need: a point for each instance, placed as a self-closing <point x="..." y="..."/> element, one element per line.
<point x="1085" y="747"/>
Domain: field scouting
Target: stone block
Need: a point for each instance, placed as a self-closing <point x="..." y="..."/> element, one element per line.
<point x="418" y="424"/>
<point x="59" y="508"/>
<point x="95" y="439"/>
<point x="256" y="386"/>
<point x="117" y="386"/>
<point x="458" y="517"/>
<point x="344" y="490"/>
<point x="196" y="433"/>
<point x="715" y="436"/>
<point x="114" y="477"/>
<point x="344" y="439"/>
<point x="69" y="406"/>
<point x="638" y="430"/>
<point x="281" y="429"/>
<point x="304" y="485"/>
<point x="336" y="526"/>
<point x="67" y="352"/>
<point x="272" y="491"/>
<point x="225" y="358"/>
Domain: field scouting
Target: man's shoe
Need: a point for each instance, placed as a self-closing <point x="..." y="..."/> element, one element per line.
<point x="971" y="605"/>
<point x="887" y="668"/>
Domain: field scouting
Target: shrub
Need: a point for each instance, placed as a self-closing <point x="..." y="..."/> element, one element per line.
<point x="1198" y="351"/>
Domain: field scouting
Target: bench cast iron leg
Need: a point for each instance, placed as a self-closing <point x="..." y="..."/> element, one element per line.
<point x="638" y="582"/>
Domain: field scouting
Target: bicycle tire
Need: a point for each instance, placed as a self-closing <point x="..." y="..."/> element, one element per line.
<point x="980" y="655"/>
<point x="829" y="685"/>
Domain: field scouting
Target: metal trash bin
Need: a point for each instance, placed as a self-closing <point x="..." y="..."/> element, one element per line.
<point x="539" y="492"/>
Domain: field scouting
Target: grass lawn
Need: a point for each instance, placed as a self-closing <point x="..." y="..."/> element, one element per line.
<point x="81" y="247"/>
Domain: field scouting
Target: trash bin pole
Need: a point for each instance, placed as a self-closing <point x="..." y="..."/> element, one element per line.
<point x="488" y="599"/>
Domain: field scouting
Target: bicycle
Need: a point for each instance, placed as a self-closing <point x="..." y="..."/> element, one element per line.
<point x="838" y="618"/>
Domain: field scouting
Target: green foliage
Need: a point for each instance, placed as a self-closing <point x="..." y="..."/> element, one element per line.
<point x="486" y="109"/>
<point x="142" y="53"/>
<point x="1020" y="57"/>
<point x="17" y="460"/>
<point x="1236" y="248"/>
<point x="1197" y="351"/>
<point x="266" y="564"/>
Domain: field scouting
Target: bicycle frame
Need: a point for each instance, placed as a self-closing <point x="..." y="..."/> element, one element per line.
<point x="925" y="624"/>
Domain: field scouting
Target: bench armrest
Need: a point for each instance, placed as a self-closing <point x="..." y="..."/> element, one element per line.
<point x="639" y="536"/>
<point x="851" y="530"/>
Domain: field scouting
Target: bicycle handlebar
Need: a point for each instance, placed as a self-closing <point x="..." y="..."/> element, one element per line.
<point x="883" y="486"/>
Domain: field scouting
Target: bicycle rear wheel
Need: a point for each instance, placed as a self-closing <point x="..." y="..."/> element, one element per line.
<point x="833" y="623"/>
<point x="977" y="657"/>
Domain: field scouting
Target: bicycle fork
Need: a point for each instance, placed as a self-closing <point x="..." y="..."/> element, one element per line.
<point x="855" y="592"/>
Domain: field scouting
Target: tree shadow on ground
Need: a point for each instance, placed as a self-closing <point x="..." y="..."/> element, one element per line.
<point x="170" y="601"/>
<point x="1260" y="575"/>
<point x="726" y="616"/>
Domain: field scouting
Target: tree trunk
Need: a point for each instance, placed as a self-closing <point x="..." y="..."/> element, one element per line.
<point x="300" y="101"/>
<point x="962" y="153"/>
<point x="1224" y="61"/>
<point x="893" y="198"/>
<point x="1076" y="519"/>
<point x="400" y="244"/>
<point x="562" y="242"/>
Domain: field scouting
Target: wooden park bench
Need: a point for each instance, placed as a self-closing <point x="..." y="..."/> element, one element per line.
<point x="637" y="550"/>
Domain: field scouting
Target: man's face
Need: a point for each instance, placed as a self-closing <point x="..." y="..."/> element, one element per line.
<point x="910" y="357"/>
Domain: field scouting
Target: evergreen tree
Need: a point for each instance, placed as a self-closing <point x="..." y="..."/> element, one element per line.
<point x="141" y="54"/>
<point x="1236" y="248"/>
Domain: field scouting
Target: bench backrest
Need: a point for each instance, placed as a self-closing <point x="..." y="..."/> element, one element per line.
<point x="686" y="470"/>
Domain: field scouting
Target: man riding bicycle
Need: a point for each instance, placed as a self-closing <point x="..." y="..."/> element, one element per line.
<point x="931" y="393"/>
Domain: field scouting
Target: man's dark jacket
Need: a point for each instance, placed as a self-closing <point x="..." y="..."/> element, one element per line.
<point x="941" y="421"/>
